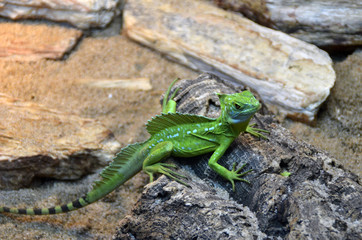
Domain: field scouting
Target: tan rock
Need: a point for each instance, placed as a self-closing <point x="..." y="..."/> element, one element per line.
<point x="130" y="83"/>
<point x="25" y="42"/>
<point x="321" y="22"/>
<point x="292" y="77"/>
<point x="80" y="13"/>
<point x="41" y="142"/>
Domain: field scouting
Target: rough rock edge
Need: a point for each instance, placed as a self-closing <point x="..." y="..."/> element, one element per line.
<point x="31" y="45"/>
<point x="82" y="16"/>
<point x="61" y="159"/>
<point x="339" y="26"/>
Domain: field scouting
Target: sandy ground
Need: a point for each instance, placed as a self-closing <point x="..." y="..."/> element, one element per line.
<point x="60" y="85"/>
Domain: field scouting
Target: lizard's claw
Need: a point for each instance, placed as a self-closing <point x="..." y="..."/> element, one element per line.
<point x="235" y="174"/>
<point x="164" y="168"/>
<point x="256" y="131"/>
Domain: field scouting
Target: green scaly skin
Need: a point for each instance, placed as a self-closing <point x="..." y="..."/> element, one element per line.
<point x="172" y="134"/>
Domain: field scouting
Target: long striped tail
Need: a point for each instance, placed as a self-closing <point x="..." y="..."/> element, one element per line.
<point x="124" y="166"/>
<point x="79" y="203"/>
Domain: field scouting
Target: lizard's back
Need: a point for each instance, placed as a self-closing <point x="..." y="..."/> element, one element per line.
<point x="190" y="135"/>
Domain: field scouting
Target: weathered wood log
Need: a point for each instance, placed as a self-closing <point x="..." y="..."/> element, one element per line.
<point x="80" y="13"/>
<point x="292" y="77"/>
<point x="40" y="142"/>
<point x="23" y="42"/>
<point x="188" y="213"/>
<point x="323" y="23"/>
<point x="319" y="200"/>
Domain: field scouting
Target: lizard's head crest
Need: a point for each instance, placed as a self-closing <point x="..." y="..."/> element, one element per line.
<point x="238" y="107"/>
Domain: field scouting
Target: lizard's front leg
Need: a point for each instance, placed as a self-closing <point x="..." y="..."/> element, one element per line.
<point x="232" y="175"/>
<point x="152" y="164"/>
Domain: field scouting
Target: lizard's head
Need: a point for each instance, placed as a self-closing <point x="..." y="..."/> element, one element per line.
<point x="238" y="107"/>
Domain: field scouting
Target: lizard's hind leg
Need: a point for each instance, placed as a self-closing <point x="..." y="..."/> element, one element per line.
<point x="152" y="164"/>
<point x="169" y="106"/>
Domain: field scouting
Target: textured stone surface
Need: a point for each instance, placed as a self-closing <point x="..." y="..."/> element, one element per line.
<point x="321" y="22"/>
<point x="292" y="77"/>
<point x="24" y="42"/>
<point x="80" y="13"/>
<point x="40" y="142"/>
<point x="319" y="200"/>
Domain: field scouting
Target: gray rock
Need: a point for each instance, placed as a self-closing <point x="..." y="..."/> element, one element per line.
<point x="80" y="13"/>
<point x="321" y="22"/>
<point x="319" y="200"/>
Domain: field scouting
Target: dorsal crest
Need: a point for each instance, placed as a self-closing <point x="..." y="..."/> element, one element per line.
<point x="160" y="122"/>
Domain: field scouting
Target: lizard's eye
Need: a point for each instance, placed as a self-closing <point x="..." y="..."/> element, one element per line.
<point x="237" y="106"/>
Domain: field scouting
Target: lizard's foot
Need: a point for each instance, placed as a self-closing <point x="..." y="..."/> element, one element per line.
<point x="256" y="131"/>
<point x="164" y="168"/>
<point x="235" y="174"/>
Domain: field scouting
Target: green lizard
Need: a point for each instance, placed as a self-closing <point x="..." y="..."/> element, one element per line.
<point x="172" y="134"/>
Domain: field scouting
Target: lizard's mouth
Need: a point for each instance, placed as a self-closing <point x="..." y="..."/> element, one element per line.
<point x="242" y="116"/>
<point x="239" y="119"/>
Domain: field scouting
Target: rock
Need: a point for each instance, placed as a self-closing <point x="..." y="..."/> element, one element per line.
<point x="174" y="211"/>
<point x="319" y="200"/>
<point x="345" y="102"/>
<point x="292" y="77"/>
<point x="80" y="13"/>
<point x="24" y="42"/>
<point x="323" y="23"/>
<point x="40" y="142"/>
